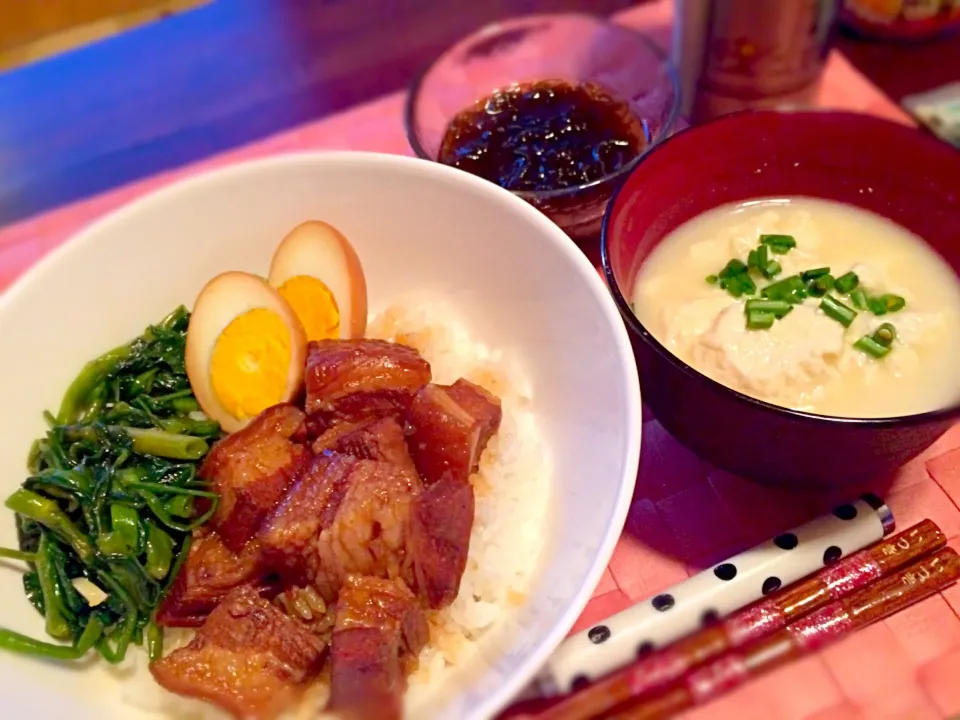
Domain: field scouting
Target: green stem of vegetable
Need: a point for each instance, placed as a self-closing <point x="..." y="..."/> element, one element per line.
<point x="159" y="552"/>
<point x="76" y="402"/>
<point x="125" y="521"/>
<point x="46" y="512"/>
<point x="24" y="645"/>
<point x="154" y="642"/>
<point x="159" y="509"/>
<point x="56" y="624"/>
<point x="113" y="544"/>
<point x="160" y="443"/>
<point x="171" y="489"/>
<point x="117" y="654"/>
<point x="11" y="554"/>
<point x="177" y="564"/>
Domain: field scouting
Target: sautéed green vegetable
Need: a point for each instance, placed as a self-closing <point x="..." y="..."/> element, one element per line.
<point x="104" y="518"/>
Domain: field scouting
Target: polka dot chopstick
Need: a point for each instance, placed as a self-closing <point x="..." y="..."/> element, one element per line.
<point x="904" y="588"/>
<point x="655" y="672"/>
<point x="715" y="593"/>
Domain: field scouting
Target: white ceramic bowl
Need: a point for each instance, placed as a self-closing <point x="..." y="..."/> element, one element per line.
<point x="515" y="278"/>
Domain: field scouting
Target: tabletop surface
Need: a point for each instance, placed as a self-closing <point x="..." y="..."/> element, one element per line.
<point x="685" y="515"/>
<point x="236" y="71"/>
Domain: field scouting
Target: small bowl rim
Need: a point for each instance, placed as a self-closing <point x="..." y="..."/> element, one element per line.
<point x="415" y="89"/>
<point x="637" y="327"/>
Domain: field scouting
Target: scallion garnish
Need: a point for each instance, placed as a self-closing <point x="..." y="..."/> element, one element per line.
<point x="712" y="279"/>
<point x="871" y="347"/>
<point x="790" y="289"/>
<point x="820" y="286"/>
<point x="778" y="308"/>
<point x="735" y="279"/>
<point x="885" y="334"/>
<point x="859" y="299"/>
<point x="836" y="310"/>
<point x="758" y="259"/>
<point x="846" y="283"/>
<point x="808" y="275"/>
<point x="757" y="320"/>
<point x="893" y="303"/>
<point x="772" y="269"/>
<point x="779" y="244"/>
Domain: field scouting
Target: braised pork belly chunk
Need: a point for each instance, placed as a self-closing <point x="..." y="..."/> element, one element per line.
<point x="210" y="571"/>
<point x="450" y="428"/>
<point x="249" y="658"/>
<point x="368" y="534"/>
<point x="357" y="379"/>
<point x="252" y="469"/>
<point x="352" y="537"/>
<point x="374" y="439"/>
<point x="378" y="634"/>
<point x="290" y="532"/>
<point x="438" y="539"/>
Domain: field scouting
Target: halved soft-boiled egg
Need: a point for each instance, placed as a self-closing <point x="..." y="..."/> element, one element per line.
<point x="245" y="351"/>
<point x="318" y="272"/>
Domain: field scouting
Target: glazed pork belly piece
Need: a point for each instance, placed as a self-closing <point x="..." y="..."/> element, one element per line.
<point x="252" y="469"/>
<point x="378" y="633"/>
<point x="347" y="516"/>
<point x="450" y="427"/>
<point x="368" y="533"/>
<point x="438" y="539"/>
<point x="249" y="658"/>
<point x="374" y="439"/>
<point x="210" y="571"/>
<point x="289" y="533"/>
<point x="351" y="380"/>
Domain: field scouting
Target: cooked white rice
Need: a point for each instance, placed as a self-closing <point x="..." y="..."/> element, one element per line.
<point x="512" y="498"/>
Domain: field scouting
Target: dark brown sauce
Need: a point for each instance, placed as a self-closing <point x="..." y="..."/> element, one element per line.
<point x="547" y="135"/>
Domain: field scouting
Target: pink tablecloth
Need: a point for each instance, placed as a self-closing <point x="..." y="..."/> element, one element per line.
<point x="688" y="514"/>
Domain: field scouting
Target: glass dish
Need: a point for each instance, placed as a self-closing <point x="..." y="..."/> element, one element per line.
<point x="572" y="47"/>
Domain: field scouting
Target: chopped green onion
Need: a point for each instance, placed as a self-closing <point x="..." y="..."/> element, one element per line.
<point x="886" y="304"/>
<point x="760" y="320"/>
<point x="712" y="279"/>
<point x="732" y="268"/>
<point x="735" y="279"/>
<point x="820" y="286"/>
<point x="808" y="275"/>
<point x="893" y="303"/>
<point x="836" y="310"/>
<point x="772" y="269"/>
<point x="779" y="244"/>
<point x="871" y="347"/>
<point x="847" y="283"/>
<point x="859" y="299"/>
<point x="877" y="306"/>
<point x="885" y="334"/>
<point x="758" y="259"/>
<point x="790" y="289"/>
<point x="778" y="308"/>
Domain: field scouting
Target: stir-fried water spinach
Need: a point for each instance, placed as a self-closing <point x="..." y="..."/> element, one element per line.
<point x="104" y="518"/>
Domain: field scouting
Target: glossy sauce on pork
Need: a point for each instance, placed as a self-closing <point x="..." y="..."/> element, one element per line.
<point x="344" y="540"/>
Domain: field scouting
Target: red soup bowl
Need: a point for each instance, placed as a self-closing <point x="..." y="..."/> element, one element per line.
<point x="890" y="169"/>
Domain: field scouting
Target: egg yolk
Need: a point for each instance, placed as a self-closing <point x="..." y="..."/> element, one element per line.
<point x="315" y="305"/>
<point x="250" y="363"/>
